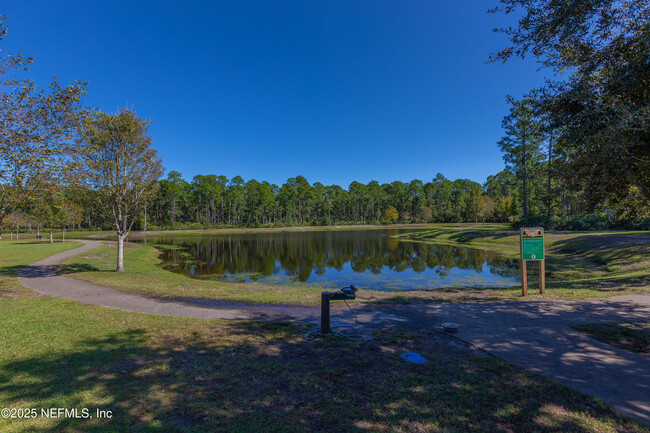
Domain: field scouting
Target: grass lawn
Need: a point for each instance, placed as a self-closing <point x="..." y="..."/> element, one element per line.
<point x="630" y="336"/>
<point x="16" y="255"/>
<point x="144" y="275"/>
<point x="578" y="265"/>
<point x="162" y="374"/>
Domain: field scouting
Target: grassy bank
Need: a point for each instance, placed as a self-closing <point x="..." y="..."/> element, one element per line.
<point x="167" y="374"/>
<point x="236" y="230"/>
<point x="581" y="264"/>
<point x="144" y="275"/>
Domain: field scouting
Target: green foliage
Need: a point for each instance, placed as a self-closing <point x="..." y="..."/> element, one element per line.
<point x="585" y="223"/>
<point x="214" y="201"/>
<point x="634" y="206"/>
<point x="120" y="165"/>
<point x="391" y="213"/>
<point x="521" y="147"/>
<point x="599" y="114"/>
<point x="37" y="128"/>
<point x="118" y="162"/>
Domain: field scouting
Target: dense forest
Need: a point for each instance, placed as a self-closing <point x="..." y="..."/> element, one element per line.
<point x="211" y="201"/>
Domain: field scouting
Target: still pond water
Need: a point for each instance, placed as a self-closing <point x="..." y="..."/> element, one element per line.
<point x="369" y="259"/>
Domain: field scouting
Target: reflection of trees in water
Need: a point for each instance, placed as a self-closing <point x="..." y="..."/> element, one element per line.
<point x="301" y="254"/>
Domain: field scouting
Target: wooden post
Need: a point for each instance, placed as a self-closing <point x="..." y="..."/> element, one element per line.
<point x="524" y="279"/>
<point x="542" y="276"/>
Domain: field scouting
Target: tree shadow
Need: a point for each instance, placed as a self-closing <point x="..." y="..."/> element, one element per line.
<point x="264" y="377"/>
<point x="10" y="271"/>
<point x="446" y="295"/>
<point x="462" y="236"/>
<point x="38" y="242"/>
<point x="75" y="268"/>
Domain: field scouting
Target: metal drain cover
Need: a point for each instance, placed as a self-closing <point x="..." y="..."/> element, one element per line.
<point x="450" y="326"/>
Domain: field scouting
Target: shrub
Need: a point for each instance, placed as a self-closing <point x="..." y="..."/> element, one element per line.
<point x="583" y="223"/>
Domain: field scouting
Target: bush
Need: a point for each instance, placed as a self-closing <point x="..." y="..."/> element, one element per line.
<point x="531" y="221"/>
<point x="584" y="223"/>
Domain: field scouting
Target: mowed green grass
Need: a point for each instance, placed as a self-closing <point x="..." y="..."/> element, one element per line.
<point x="164" y="374"/>
<point x="578" y="265"/>
<point x="143" y="274"/>
<point x="14" y="255"/>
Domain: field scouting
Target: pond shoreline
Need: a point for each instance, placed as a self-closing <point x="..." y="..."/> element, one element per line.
<point x="234" y="230"/>
<point x="581" y="265"/>
<point x="373" y="260"/>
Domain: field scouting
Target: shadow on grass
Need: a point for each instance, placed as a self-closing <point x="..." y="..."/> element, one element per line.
<point x="10" y="271"/>
<point x="251" y="377"/>
<point x="75" y="268"/>
<point x="448" y="295"/>
<point x="37" y="242"/>
<point x="634" y="336"/>
<point x="614" y="247"/>
<point x="462" y="236"/>
<point x="611" y="254"/>
<point x="41" y="271"/>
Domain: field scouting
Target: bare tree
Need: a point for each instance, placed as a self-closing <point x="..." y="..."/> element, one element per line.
<point x="120" y="164"/>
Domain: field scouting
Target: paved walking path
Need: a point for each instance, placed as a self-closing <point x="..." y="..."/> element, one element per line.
<point x="535" y="335"/>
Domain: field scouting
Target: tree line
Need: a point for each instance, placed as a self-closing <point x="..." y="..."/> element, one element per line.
<point x="215" y="200"/>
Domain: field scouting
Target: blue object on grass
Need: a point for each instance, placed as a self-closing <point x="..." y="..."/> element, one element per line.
<point x="413" y="357"/>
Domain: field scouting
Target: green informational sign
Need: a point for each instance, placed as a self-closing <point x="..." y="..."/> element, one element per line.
<point x="532" y="243"/>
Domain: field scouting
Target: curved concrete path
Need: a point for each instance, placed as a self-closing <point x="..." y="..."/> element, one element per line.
<point x="42" y="278"/>
<point x="536" y="335"/>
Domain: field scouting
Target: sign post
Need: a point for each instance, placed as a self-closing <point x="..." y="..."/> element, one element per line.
<point x="532" y="249"/>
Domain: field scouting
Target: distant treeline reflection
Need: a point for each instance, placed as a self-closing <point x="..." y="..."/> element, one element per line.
<point x="300" y="254"/>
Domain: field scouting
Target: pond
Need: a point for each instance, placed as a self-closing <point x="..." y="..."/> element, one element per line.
<point x="369" y="259"/>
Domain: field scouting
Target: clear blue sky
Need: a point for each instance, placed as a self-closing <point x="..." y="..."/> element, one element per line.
<point x="333" y="90"/>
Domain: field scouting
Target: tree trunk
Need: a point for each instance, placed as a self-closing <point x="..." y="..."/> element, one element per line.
<point x="550" y="151"/>
<point x="145" y="219"/>
<point x="63" y="235"/>
<point x="524" y="171"/>
<point x="120" y="253"/>
<point x="51" y="239"/>
<point x="562" y="211"/>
